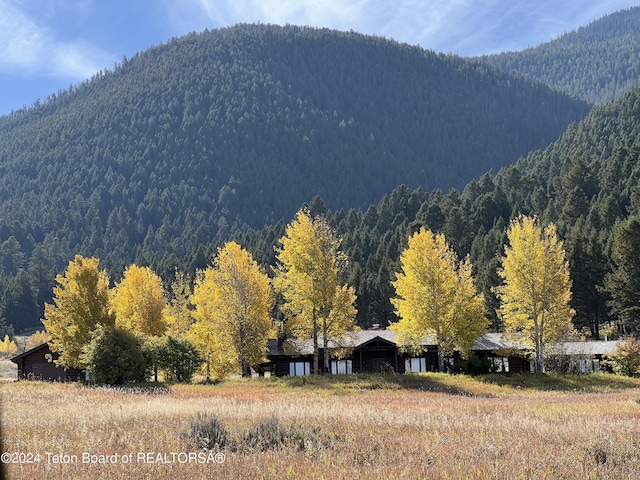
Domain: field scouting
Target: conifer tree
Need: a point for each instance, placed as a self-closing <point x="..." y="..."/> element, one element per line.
<point x="623" y="283"/>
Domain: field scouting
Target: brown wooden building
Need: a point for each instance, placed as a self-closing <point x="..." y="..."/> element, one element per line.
<point x="369" y="351"/>
<point x="376" y="350"/>
<point x="504" y="356"/>
<point x="37" y="364"/>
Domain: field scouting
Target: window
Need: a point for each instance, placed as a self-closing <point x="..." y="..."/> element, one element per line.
<point x="448" y="363"/>
<point x="415" y="365"/>
<point x="499" y="364"/>
<point x="297" y="369"/>
<point x="341" y="367"/>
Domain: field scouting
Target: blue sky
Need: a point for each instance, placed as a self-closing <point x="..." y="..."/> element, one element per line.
<point x="47" y="45"/>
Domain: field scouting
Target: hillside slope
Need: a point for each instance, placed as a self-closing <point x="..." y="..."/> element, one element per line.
<point x="251" y="121"/>
<point x="198" y="138"/>
<point x="596" y="63"/>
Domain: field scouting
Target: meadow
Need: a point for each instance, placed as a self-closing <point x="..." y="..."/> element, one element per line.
<point x="372" y="426"/>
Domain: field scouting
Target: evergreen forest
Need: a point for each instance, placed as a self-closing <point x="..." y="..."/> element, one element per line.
<point x="225" y="134"/>
<point x="596" y="63"/>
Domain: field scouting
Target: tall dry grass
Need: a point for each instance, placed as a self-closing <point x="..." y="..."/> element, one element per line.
<point x="434" y="426"/>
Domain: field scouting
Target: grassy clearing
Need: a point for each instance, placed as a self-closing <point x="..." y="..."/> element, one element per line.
<point x="360" y="426"/>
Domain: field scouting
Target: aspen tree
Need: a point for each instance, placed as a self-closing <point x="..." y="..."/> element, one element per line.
<point x="81" y="303"/>
<point x="233" y="299"/>
<point x="436" y="296"/>
<point x="316" y="303"/>
<point x="537" y="287"/>
<point x="139" y="302"/>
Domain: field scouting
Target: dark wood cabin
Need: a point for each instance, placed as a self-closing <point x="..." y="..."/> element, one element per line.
<point x="376" y="350"/>
<point x="34" y="364"/>
<point x="370" y="351"/>
<point x="501" y="355"/>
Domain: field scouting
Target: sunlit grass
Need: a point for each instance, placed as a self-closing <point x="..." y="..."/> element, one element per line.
<point x="357" y="426"/>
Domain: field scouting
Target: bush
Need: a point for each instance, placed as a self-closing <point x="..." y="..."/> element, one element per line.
<point x="179" y="359"/>
<point x="625" y="360"/>
<point x="206" y="431"/>
<point x="115" y="357"/>
<point x="271" y="434"/>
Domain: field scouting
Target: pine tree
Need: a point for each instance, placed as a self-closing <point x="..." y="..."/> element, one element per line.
<point x="623" y="283"/>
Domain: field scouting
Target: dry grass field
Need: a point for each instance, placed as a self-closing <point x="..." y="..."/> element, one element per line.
<point x="427" y="426"/>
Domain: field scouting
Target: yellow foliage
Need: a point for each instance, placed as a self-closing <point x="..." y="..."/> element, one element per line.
<point x="80" y="305"/>
<point x="537" y="286"/>
<point x="307" y="276"/>
<point x="37" y="338"/>
<point x="436" y="296"/>
<point x="139" y="302"/>
<point x="233" y="301"/>
<point x="8" y="347"/>
<point x="179" y="318"/>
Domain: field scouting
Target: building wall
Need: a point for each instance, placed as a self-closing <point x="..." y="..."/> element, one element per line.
<point x="36" y="366"/>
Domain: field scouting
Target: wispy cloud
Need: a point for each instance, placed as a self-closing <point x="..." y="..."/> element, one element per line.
<point x="29" y="46"/>
<point x="467" y="27"/>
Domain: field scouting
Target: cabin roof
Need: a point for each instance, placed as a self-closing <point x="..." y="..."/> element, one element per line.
<point x="489" y="342"/>
<point x="586" y="348"/>
<point x="26" y="353"/>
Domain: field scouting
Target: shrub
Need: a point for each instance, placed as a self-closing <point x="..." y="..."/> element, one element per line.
<point x="207" y="431"/>
<point x="179" y="359"/>
<point x="114" y="357"/>
<point x="625" y="360"/>
<point x="271" y="434"/>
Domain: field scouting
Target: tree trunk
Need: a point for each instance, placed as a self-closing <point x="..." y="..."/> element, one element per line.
<point x="246" y="369"/>
<point x="539" y="367"/>
<point x="315" y="342"/>
<point x="326" y="344"/>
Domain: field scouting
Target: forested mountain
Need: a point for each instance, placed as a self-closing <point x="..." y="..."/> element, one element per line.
<point x="205" y="135"/>
<point x="586" y="182"/>
<point x="596" y="63"/>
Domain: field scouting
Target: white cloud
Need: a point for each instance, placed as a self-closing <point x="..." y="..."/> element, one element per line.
<point x="30" y="47"/>
<point x="20" y="38"/>
<point x="467" y="27"/>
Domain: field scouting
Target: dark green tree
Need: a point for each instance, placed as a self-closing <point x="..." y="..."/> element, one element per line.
<point x="115" y="357"/>
<point x="179" y="359"/>
<point x="623" y="283"/>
